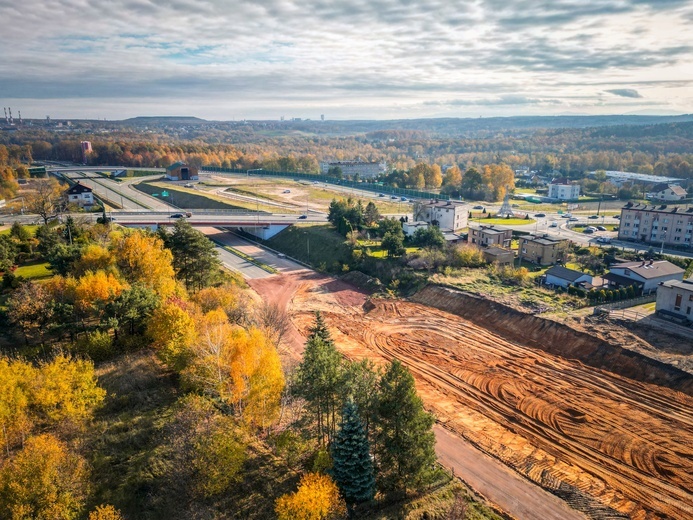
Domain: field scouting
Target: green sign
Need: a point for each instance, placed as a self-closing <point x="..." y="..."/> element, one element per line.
<point x="155" y="194"/>
<point x="164" y="193"/>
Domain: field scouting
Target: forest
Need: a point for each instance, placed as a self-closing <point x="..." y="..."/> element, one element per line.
<point x="138" y="379"/>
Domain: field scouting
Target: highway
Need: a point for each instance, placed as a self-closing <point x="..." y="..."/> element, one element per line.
<point x="122" y="193"/>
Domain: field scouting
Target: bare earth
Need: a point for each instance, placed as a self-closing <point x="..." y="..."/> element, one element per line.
<point x="610" y="445"/>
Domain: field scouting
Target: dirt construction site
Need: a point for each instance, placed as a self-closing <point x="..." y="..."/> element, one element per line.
<point x="604" y="428"/>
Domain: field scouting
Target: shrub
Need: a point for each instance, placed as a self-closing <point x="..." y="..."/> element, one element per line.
<point x="97" y="345"/>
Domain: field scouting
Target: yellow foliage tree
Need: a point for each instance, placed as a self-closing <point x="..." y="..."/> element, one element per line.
<point x="317" y="498"/>
<point x="241" y="367"/>
<point x="16" y="380"/>
<point x="172" y="332"/>
<point x="105" y="512"/>
<point x="453" y="177"/>
<point x="499" y="178"/>
<point x="66" y="389"/>
<point x="219" y="458"/>
<point x="142" y="258"/>
<point x="94" y="291"/>
<point x="44" y="481"/>
<point x="94" y="258"/>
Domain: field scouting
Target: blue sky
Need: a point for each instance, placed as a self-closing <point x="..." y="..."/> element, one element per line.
<point x="365" y="59"/>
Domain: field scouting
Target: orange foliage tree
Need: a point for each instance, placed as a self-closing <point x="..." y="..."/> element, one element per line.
<point x="142" y="258"/>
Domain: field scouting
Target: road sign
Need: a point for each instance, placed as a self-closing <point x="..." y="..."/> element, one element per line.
<point x="164" y="193"/>
<point x="155" y="194"/>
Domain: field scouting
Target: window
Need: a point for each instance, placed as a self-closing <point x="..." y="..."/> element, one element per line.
<point x="677" y="304"/>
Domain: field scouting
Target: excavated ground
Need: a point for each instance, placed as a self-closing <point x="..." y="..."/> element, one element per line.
<point x="606" y="429"/>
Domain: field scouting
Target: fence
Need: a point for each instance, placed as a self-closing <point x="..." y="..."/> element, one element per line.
<point x="366" y="186"/>
<point x="624" y="304"/>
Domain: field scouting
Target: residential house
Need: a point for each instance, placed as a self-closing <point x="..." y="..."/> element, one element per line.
<point x="644" y="274"/>
<point x="180" y="171"/>
<point x="498" y="255"/>
<point x="487" y="236"/>
<point x="410" y="228"/>
<point x="563" y="189"/>
<point x="560" y="276"/>
<point x="447" y="215"/>
<point x="675" y="299"/>
<point x="81" y="195"/>
<point x="667" y="193"/>
<point x="543" y="249"/>
<point x="661" y="225"/>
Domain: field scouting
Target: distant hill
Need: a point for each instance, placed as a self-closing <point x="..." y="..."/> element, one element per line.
<point x="164" y="120"/>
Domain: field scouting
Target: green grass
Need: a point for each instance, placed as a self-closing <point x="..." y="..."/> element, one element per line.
<point x="500" y="221"/>
<point x="185" y="199"/>
<point x="31" y="229"/>
<point x="328" y="249"/>
<point x="34" y="270"/>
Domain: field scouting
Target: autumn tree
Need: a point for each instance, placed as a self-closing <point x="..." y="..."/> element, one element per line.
<point x="142" y="258"/>
<point x="105" y="512"/>
<point x="352" y="468"/>
<point x="44" y="480"/>
<point x="229" y="297"/>
<point x="405" y="441"/>
<point x="317" y="498"/>
<point x="45" y="198"/>
<point x="273" y="321"/>
<point x="30" y="308"/>
<point x="16" y="384"/>
<point x="172" y="332"/>
<point x="93" y="257"/>
<point x="94" y="291"/>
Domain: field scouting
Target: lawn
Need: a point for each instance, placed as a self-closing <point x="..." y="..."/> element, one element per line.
<point x="190" y="199"/>
<point x="34" y="270"/>
<point x="315" y="244"/>
<point x="30" y="229"/>
<point x="376" y="251"/>
<point x="501" y="221"/>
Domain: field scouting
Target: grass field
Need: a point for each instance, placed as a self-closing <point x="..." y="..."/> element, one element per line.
<point x="188" y="199"/>
<point x="30" y="229"/>
<point x="34" y="271"/>
<point x="501" y="221"/>
<point x="318" y="245"/>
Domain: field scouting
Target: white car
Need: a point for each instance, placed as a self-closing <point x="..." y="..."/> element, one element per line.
<point x="554" y="224"/>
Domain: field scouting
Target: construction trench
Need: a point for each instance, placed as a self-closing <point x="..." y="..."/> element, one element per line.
<point x="606" y="429"/>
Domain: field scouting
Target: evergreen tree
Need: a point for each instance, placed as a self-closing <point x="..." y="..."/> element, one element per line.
<point x="405" y="448"/>
<point x="195" y="259"/>
<point x="352" y="468"/>
<point x="320" y="330"/>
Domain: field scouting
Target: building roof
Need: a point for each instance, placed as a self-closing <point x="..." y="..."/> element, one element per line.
<point x="175" y="165"/>
<point x="686" y="285"/>
<point x="491" y="230"/>
<point x="675" y="188"/>
<point x="651" y="269"/>
<point x="564" y="273"/>
<point x="641" y="177"/>
<point x="562" y="181"/>
<point x="544" y="240"/>
<point x="658" y="208"/>
<point x="497" y="251"/>
<point x="78" y="189"/>
<point x="442" y="204"/>
<point x="620" y="280"/>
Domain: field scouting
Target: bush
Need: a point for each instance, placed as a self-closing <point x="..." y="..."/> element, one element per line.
<point x="466" y="256"/>
<point x="97" y="345"/>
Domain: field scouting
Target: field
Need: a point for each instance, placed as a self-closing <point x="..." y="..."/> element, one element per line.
<point x="607" y="430"/>
<point x="315" y="244"/>
<point x="187" y="199"/>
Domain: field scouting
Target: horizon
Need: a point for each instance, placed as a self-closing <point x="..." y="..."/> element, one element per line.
<point x="361" y="60"/>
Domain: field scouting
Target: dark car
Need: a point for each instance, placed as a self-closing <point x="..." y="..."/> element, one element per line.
<point x="601" y="228"/>
<point x="394" y="197"/>
<point x="540" y="215"/>
<point x="593" y="216"/>
<point x="303" y="216"/>
<point x="381" y="194"/>
<point x="177" y="215"/>
<point x="588" y="231"/>
<point x="478" y="207"/>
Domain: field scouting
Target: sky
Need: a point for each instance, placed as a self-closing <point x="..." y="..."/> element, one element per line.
<point x="356" y="59"/>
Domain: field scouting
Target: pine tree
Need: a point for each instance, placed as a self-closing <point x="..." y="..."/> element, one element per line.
<point x="352" y="464"/>
<point x="320" y="330"/>
<point x="405" y="440"/>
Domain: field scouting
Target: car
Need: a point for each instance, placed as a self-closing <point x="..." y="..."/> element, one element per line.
<point x="573" y="219"/>
<point x="281" y="255"/>
<point x="303" y="217"/>
<point x="588" y="231"/>
<point x="604" y="240"/>
<point x="592" y="228"/>
<point x="554" y="224"/>
<point x="592" y="217"/>
<point x="601" y="228"/>
<point x="394" y="197"/>
<point x="404" y="199"/>
<point x="188" y="185"/>
<point x="478" y="207"/>
<point x="564" y="216"/>
<point x="617" y="217"/>
<point x="286" y="191"/>
<point x="381" y="194"/>
<point x="540" y="215"/>
<point x="177" y="215"/>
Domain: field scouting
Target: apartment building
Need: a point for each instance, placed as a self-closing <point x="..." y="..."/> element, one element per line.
<point x="543" y="249"/>
<point x="660" y="224"/>
<point x="487" y="236"/>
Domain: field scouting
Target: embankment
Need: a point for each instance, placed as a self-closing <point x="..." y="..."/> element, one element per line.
<point x="554" y="338"/>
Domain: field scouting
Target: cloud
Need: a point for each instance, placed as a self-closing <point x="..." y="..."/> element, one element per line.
<point x="625" y="92"/>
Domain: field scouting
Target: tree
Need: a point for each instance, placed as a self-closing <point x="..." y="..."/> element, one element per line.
<point x="173" y="333"/>
<point x="391" y="225"/>
<point x="429" y="237"/>
<point x="93" y="258"/>
<point x="20" y="232"/>
<point x="194" y="256"/>
<point x="131" y="309"/>
<point x="405" y="441"/>
<point x="95" y="291"/>
<point x="371" y="214"/>
<point x="16" y="383"/>
<point x="30" y="309"/>
<point x="45" y="198"/>
<point x="393" y="244"/>
<point x="472" y="185"/>
<point x="453" y="177"/>
<point x="8" y="252"/>
<point x="142" y="258"/>
<point x="105" y="512"/>
<point x="352" y="468"/>
<point x="317" y="498"/>
<point x="44" y="480"/>
<point x="335" y="171"/>
<point x="361" y="380"/>
<point x="273" y="321"/>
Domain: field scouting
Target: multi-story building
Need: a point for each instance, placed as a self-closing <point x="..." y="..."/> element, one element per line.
<point x="661" y="225"/>
<point x="447" y="215"/>
<point x="487" y="236"/>
<point x="365" y="170"/>
<point x="675" y="297"/>
<point x="563" y="189"/>
<point x="543" y="249"/>
<point x="86" y="150"/>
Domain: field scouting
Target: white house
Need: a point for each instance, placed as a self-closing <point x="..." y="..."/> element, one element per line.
<point x="447" y="215"/>
<point x="80" y="195"/>
<point x="560" y="276"/>
<point x="675" y="297"/>
<point x="563" y="189"/>
<point x="410" y="228"/>
<point x="645" y="274"/>
<point x="667" y="193"/>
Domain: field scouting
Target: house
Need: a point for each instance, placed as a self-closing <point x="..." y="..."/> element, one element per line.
<point x="81" y="195"/>
<point x="180" y="171"/>
<point x="447" y="215"/>
<point x="667" y="193"/>
<point x="644" y="274"/>
<point x="410" y="228"/>
<point x="657" y="224"/>
<point x="563" y="189"/>
<point x="543" y="249"/>
<point x="675" y="299"/>
<point x="487" y="236"/>
<point x="498" y="255"/>
<point x="560" y="276"/>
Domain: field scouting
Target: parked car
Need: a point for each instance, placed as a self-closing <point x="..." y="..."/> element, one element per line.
<point x="540" y="215"/>
<point x="303" y="217"/>
<point x="381" y="194"/>
<point x="188" y="185"/>
<point x="478" y="207"/>
<point x="601" y="228"/>
<point x="593" y="217"/>
<point x="554" y="224"/>
<point x="617" y="217"/>
<point x="404" y="199"/>
<point x="604" y="240"/>
<point x="592" y="228"/>
<point x="394" y="197"/>
<point x="286" y="191"/>
<point x="589" y="231"/>
<point x="573" y="219"/>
